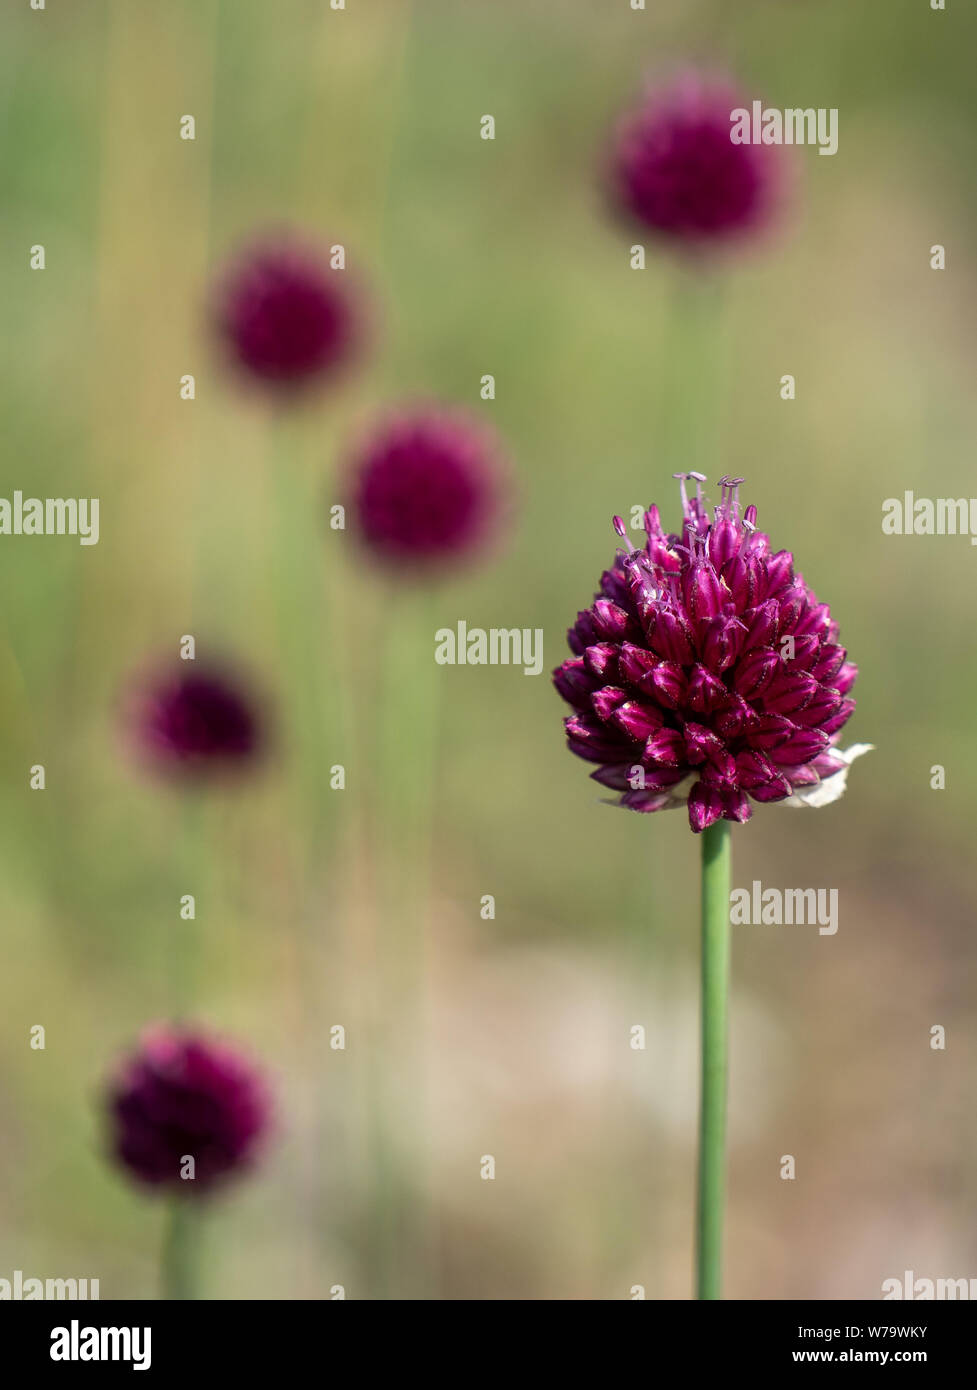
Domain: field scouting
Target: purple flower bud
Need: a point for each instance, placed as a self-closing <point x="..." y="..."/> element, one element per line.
<point x="777" y="789"/>
<point x="705" y="806"/>
<point x="638" y="720"/>
<point x="778" y="573"/>
<point x="620" y="777"/>
<point x="720" y="642"/>
<point x="182" y="1095"/>
<point x="642" y="584"/>
<point x="701" y="743"/>
<point x="845" y="678"/>
<point x="671" y="636"/>
<point x="740" y="578"/>
<point x="802" y="775"/>
<point x="575" y="684"/>
<point x="193" y="721"/>
<point x="676" y="171"/>
<point x="601" y="659"/>
<point x="704" y="593"/>
<point x="667" y="746"/>
<point x="583" y="634"/>
<point x="636" y="665"/>
<point x="755" y="671"/>
<point x="792" y="602"/>
<point x="647" y="800"/>
<point x="724" y="539"/>
<point x="707" y="693"/>
<point x="670" y="684"/>
<point x="591" y="739"/>
<point x="761" y="625"/>
<point x="823" y="704"/>
<point x="736" y="805"/>
<point x="611" y="621"/>
<point x="770" y="731"/>
<point x="815" y="619"/>
<point x="289" y="320"/>
<point x="836" y="722"/>
<point x="738" y="717"/>
<point x="653" y="523"/>
<point x="802" y="746"/>
<point x="753" y="769"/>
<point x="789" y="692"/>
<point x="614" y="585"/>
<point x="719" y="770"/>
<point x="606" y="701"/>
<point x="426" y="489"/>
<point x="805" y="652"/>
<point x="660" y="778"/>
<point x="827" y="764"/>
<point x="828" y="663"/>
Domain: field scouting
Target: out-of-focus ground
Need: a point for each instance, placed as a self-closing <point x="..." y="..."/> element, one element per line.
<point x="469" y="1037"/>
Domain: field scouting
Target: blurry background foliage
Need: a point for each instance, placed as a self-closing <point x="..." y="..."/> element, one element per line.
<point x="362" y="126"/>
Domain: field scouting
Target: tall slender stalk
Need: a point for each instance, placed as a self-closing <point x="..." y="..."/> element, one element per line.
<point x="179" y="1262"/>
<point x="716" y="861"/>
<point x="181" y="935"/>
<point x="179" y="1255"/>
<point x="692" y="374"/>
<point x="308" y="598"/>
<point x="407" y="740"/>
<point x="694" y="352"/>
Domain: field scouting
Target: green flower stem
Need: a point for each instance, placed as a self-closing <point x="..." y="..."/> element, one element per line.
<point x="182" y="943"/>
<point x="405" y="778"/>
<point x="311" y="635"/>
<point x="180" y="1241"/>
<point x="693" y="373"/>
<point x="716" y="860"/>
<point x="179" y="1260"/>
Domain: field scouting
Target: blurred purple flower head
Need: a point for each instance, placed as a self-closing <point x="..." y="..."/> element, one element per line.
<point x="676" y="171"/>
<point x="194" y="721"/>
<point x="426" y="488"/>
<point x="707" y="672"/>
<point x="288" y="319"/>
<point x="180" y="1094"/>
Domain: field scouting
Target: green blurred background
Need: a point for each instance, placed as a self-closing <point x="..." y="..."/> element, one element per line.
<point x="361" y="907"/>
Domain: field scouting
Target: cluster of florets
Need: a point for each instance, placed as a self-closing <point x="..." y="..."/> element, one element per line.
<point x="706" y="672"/>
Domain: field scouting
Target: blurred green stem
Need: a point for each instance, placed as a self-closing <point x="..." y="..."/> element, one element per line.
<point x="314" y="709"/>
<point x="716" y="861"/>
<point x="307" y="587"/>
<point x="405" y="787"/>
<point x="180" y="1242"/>
<point x="183" y="951"/>
<point x="692" y="373"/>
<point x="690" y="434"/>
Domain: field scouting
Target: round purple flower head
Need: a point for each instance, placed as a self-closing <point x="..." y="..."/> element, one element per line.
<point x="195" y="722"/>
<point x="707" y="672"/>
<point x="289" y="320"/>
<point x="182" y="1095"/>
<point x="676" y="170"/>
<point x="426" y="488"/>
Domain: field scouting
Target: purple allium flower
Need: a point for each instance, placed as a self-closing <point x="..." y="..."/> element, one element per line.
<point x="426" y="488"/>
<point x="181" y="1094"/>
<point x="194" y="721"/>
<point x="288" y="319"/>
<point x="708" y="672"/>
<point x="676" y="170"/>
